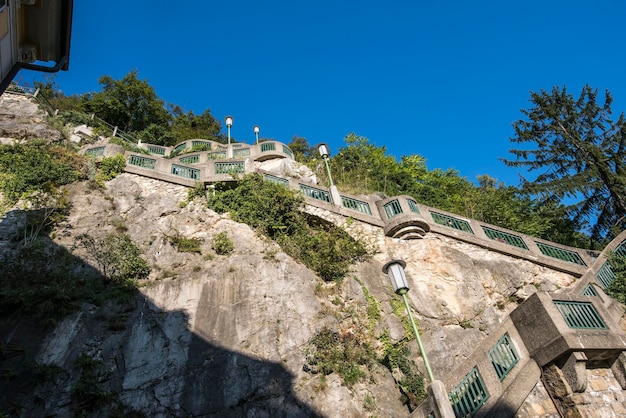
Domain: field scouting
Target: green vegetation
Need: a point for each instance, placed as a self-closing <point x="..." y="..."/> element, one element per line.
<point x="117" y="257"/>
<point x="186" y="245"/>
<point x="275" y="211"/>
<point x="344" y="354"/>
<point x="37" y="166"/>
<point x="222" y="244"/>
<point x="578" y="153"/>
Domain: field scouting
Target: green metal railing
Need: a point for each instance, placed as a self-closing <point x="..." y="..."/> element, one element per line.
<point x="451" y="222"/>
<point x="590" y="291"/>
<point x="561" y="254"/>
<point x="580" y="315"/>
<point x="236" y="167"/>
<point x="187" y="172"/>
<point x="315" y="193"/>
<point x="268" y="146"/>
<point x="180" y="147"/>
<point x="413" y="205"/>
<point x="469" y="395"/>
<point x="190" y="159"/>
<point x="142" y="162"/>
<point x="220" y="155"/>
<point x="244" y="152"/>
<point x="503" y="357"/>
<point x="605" y="275"/>
<point x="205" y="144"/>
<point x="504" y="237"/>
<point x="95" y="152"/>
<point x="354" y="204"/>
<point x="152" y="149"/>
<point x="392" y="209"/>
<point x="287" y="151"/>
<point x="277" y="180"/>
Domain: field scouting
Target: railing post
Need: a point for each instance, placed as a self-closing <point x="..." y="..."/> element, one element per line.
<point x="36" y="93"/>
<point x="335" y="196"/>
<point x="114" y="131"/>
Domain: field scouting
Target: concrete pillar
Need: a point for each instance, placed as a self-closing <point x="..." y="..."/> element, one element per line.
<point x="334" y="194"/>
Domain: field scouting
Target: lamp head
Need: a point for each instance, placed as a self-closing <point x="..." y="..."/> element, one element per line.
<point x="323" y="150"/>
<point x="256" y="129"/>
<point x="229" y="121"/>
<point x="395" y="270"/>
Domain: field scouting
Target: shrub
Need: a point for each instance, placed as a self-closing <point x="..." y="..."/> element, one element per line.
<point x="29" y="167"/>
<point x="117" y="257"/>
<point x="276" y="212"/>
<point x="186" y="245"/>
<point x="111" y="167"/>
<point x="344" y="354"/>
<point x="222" y="244"/>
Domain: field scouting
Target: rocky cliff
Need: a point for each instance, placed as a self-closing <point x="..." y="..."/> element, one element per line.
<point x="230" y="335"/>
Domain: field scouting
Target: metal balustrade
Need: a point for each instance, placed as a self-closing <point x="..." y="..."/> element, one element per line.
<point x="287" y="151"/>
<point x="95" y="152"/>
<point x="190" y="159"/>
<point x="392" y="209"/>
<point x="605" y="275"/>
<point x="580" y="315"/>
<point x="469" y="395"/>
<point x="357" y="205"/>
<point x="187" y="172"/>
<point x="277" y="180"/>
<point x="315" y="193"/>
<point x="268" y="146"/>
<point x="142" y="162"/>
<point x="504" y="237"/>
<point x="205" y="144"/>
<point x="589" y="291"/>
<point x="236" y="167"/>
<point x="152" y="149"/>
<point x="413" y="206"/>
<point x="451" y="222"/>
<point x="560" y="253"/>
<point x="220" y="155"/>
<point x="503" y="357"/>
<point x="244" y="152"/>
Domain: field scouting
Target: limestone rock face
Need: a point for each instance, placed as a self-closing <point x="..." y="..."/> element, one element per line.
<point x="213" y="335"/>
<point x="22" y="119"/>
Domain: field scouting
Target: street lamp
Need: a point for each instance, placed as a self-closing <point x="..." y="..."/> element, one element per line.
<point x="256" y="130"/>
<point x="395" y="270"/>
<point x="323" y="150"/>
<point x="228" y="120"/>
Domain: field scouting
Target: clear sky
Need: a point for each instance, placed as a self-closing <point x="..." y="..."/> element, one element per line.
<point x="442" y="79"/>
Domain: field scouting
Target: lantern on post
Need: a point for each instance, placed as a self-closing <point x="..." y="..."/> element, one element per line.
<point x="395" y="270"/>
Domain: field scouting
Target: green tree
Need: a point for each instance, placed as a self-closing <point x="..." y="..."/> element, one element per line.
<point x="302" y="150"/>
<point x="579" y="154"/>
<point x="188" y="125"/>
<point x="129" y="103"/>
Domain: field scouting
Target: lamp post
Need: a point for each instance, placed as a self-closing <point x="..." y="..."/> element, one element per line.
<point x="228" y="120"/>
<point x="256" y="130"/>
<point x="395" y="270"/>
<point x="323" y="150"/>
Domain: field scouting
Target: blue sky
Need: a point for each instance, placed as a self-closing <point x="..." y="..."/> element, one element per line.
<point x="444" y="80"/>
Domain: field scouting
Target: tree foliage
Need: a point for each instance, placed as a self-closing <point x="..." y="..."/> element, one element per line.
<point x="129" y="103"/>
<point x="579" y="153"/>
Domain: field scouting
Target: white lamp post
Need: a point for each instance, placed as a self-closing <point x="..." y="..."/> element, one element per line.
<point x="228" y="120"/>
<point x="395" y="270"/>
<point x="323" y="150"/>
<point x="256" y="130"/>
